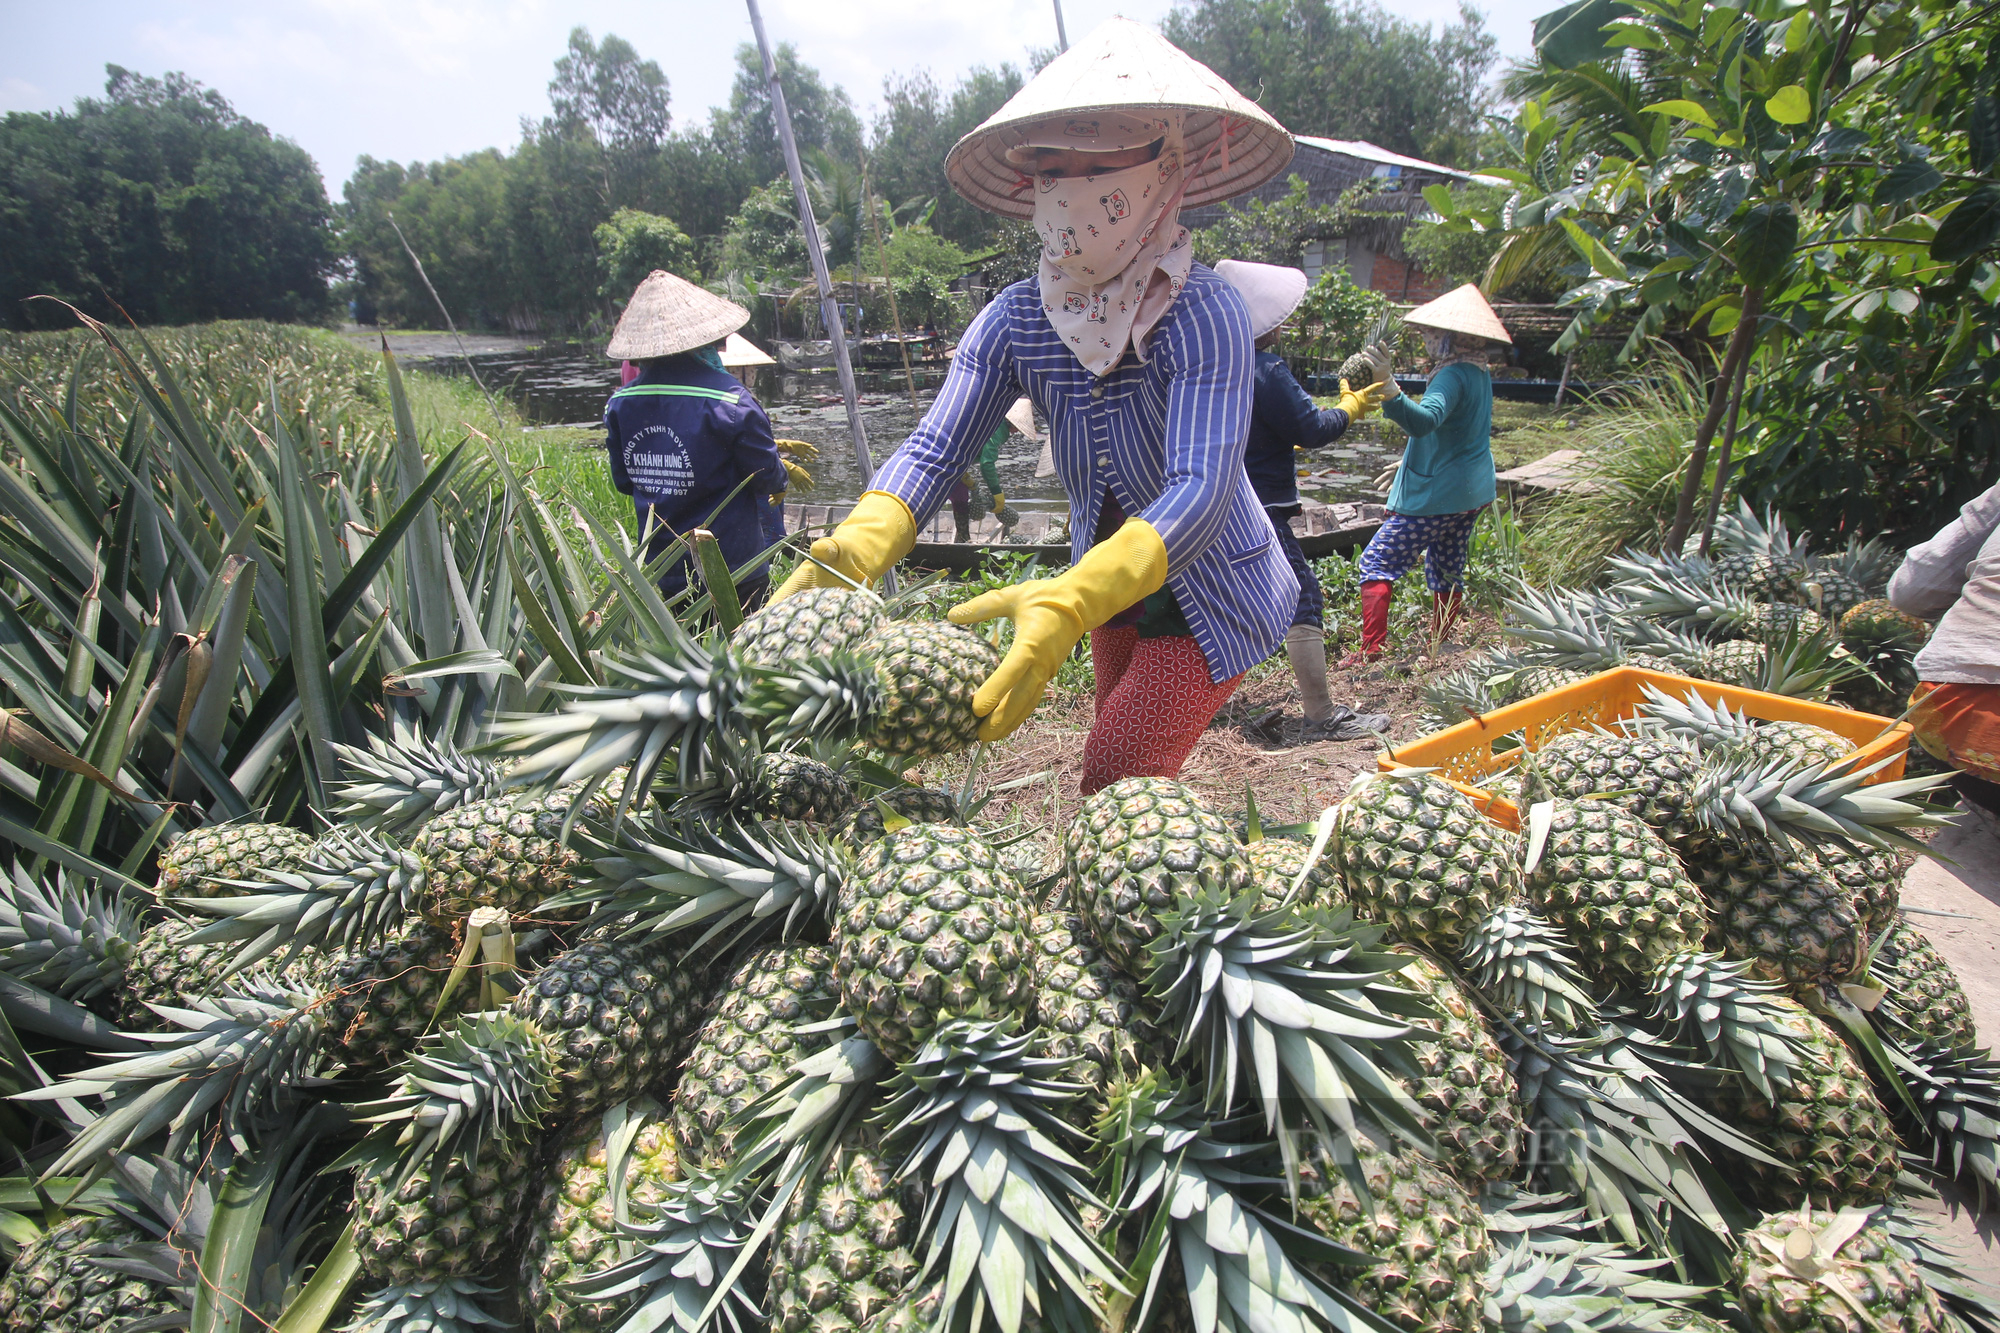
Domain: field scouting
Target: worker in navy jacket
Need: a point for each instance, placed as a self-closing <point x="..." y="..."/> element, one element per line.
<point x="688" y="443"/>
<point x="1282" y="420"/>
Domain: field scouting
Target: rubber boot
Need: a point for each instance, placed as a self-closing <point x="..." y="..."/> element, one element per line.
<point x="1305" y="645"/>
<point x="1444" y="615"/>
<point x="1375" y="598"/>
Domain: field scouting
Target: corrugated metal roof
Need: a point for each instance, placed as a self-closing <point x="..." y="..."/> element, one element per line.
<point x="1368" y="152"/>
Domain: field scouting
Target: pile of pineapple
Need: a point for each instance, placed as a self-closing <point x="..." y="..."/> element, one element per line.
<point x="1761" y="610"/>
<point x="679" y="1006"/>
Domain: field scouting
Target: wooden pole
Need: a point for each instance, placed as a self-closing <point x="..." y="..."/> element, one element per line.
<point x="829" y="307"/>
<point x="1562" y="385"/>
<point x="1722" y="455"/>
<point x="882" y="261"/>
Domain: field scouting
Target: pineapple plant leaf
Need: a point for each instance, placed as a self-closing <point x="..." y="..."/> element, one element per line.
<point x="1957" y="1090"/>
<point x="976" y="1113"/>
<point x="1521" y="962"/>
<point x="1743" y="792"/>
<point x="1549" y="1274"/>
<point x="1738" y="1020"/>
<point x="1245" y="1267"/>
<point x="1942" y="1267"/>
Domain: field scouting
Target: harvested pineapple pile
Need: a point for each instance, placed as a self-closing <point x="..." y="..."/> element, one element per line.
<point x="678" y="1008"/>
<point x="1762" y="611"/>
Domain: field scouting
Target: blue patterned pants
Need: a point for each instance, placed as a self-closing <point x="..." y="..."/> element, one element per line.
<point x="1442" y="540"/>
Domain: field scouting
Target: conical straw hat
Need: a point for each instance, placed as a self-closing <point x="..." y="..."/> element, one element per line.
<point x="1271" y="291"/>
<point x="1021" y="416"/>
<point x="1461" y="310"/>
<point x="1123" y="65"/>
<point x="738" y="352"/>
<point x="668" y="315"/>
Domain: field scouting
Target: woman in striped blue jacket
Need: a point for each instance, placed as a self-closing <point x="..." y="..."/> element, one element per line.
<point x="1141" y="361"/>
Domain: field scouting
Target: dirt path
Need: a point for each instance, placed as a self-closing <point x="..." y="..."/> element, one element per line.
<point x="1954" y="897"/>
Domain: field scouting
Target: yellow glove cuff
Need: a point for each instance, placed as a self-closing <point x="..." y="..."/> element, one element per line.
<point x="1126" y="567"/>
<point x="879" y="532"/>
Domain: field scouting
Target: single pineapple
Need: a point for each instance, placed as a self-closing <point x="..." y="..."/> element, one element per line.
<point x="1471" y="1105"/>
<point x="1425" y="1230"/>
<point x="1872" y="626"/>
<point x="573" y="1226"/>
<point x="1138" y="848"/>
<point x="1804" y="743"/>
<point x="621" y="1014"/>
<point x="931" y="929"/>
<point x="1779" y="909"/>
<point x="1736" y="662"/>
<point x="809" y="625"/>
<point x="1088" y="1013"/>
<point x="1763" y="577"/>
<point x="1531" y="681"/>
<point x="461" y="1221"/>
<point x="864" y="821"/>
<point x="199" y="860"/>
<point x="1828" y="1126"/>
<point x="1924" y="993"/>
<point x="1815" y="1271"/>
<point x="1873" y="878"/>
<point x="1773" y="619"/>
<point x="1275" y="865"/>
<point x="1416" y="856"/>
<point x="1650" y="776"/>
<point x="504" y="852"/>
<point x="791" y="786"/>
<point x="844" y="1254"/>
<point x="1617" y="891"/>
<point x="59" y="1284"/>
<point x="748" y="1045"/>
<point x="384" y="997"/>
<point x="1833" y="593"/>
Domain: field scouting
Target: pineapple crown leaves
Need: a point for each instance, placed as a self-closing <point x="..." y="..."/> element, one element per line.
<point x="1547" y="1272"/>
<point x="1802" y="664"/>
<point x="1869" y="563"/>
<point x="1744" y="532"/>
<point x="803" y="1115"/>
<point x="486" y="1078"/>
<point x="1942" y="1269"/>
<point x="239" y="1055"/>
<point x="350" y="891"/>
<point x="1957" y="1090"/>
<point x="1809" y="1251"/>
<point x="1246" y="1267"/>
<point x="672" y="698"/>
<point x="976" y="1108"/>
<point x="691" y="1252"/>
<point x="1519" y="964"/>
<point x="1567" y="630"/>
<point x="836" y="696"/>
<point x="69" y="939"/>
<point x="1693" y="718"/>
<point x="397" y="785"/>
<point x="1740" y="1021"/>
<point x="1610" y="1130"/>
<point x="1302" y="1005"/>
<point x="1741" y="792"/>
<point x="1709" y="606"/>
<point x="676" y="873"/>
<point x="447" y="1306"/>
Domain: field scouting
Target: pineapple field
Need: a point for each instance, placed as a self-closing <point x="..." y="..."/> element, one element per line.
<point x="417" y="924"/>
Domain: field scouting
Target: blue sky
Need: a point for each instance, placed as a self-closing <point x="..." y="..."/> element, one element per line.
<point x="421" y="79"/>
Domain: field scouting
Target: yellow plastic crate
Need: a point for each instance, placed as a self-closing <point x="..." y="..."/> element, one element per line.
<point x="1465" y="754"/>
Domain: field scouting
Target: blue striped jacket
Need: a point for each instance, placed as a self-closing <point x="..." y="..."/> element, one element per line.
<point x="1165" y="437"/>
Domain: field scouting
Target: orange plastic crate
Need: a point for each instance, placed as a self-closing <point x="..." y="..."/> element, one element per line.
<point x="1465" y="754"/>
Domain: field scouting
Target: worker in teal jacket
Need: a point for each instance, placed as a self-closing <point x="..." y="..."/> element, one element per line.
<point x="1446" y="475"/>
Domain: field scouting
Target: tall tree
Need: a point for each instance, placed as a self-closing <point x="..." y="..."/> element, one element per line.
<point x="822" y="116"/>
<point x="161" y="201"/>
<point x="606" y="88"/>
<point x="1350" y="71"/>
<point x="917" y="126"/>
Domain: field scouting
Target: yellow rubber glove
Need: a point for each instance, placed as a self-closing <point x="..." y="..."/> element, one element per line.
<point x="1359" y="404"/>
<point x="999" y="501"/>
<point x="876" y="535"/>
<point x="1050" y="615"/>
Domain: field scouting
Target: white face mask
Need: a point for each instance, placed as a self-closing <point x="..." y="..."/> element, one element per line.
<point x="1114" y="255"/>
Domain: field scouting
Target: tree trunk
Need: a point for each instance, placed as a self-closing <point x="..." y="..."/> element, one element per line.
<point x="1722" y="458"/>
<point x="1740" y="343"/>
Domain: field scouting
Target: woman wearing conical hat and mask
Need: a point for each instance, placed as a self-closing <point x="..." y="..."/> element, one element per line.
<point x="1446" y="475"/>
<point x="1140" y="361"/>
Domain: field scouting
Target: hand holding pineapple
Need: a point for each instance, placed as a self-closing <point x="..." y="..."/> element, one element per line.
<point x="879" y="532"/>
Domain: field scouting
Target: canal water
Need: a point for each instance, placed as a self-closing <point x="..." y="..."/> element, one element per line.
<point x="566" y="384"/>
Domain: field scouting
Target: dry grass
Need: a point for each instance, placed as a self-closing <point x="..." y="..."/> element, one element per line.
<point x="1293" y="782"/>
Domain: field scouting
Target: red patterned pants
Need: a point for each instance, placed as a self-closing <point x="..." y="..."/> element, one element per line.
<point x="1154" y="699"/>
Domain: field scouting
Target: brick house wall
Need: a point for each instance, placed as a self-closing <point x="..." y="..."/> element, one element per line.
<point x="1400" y="279"/>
